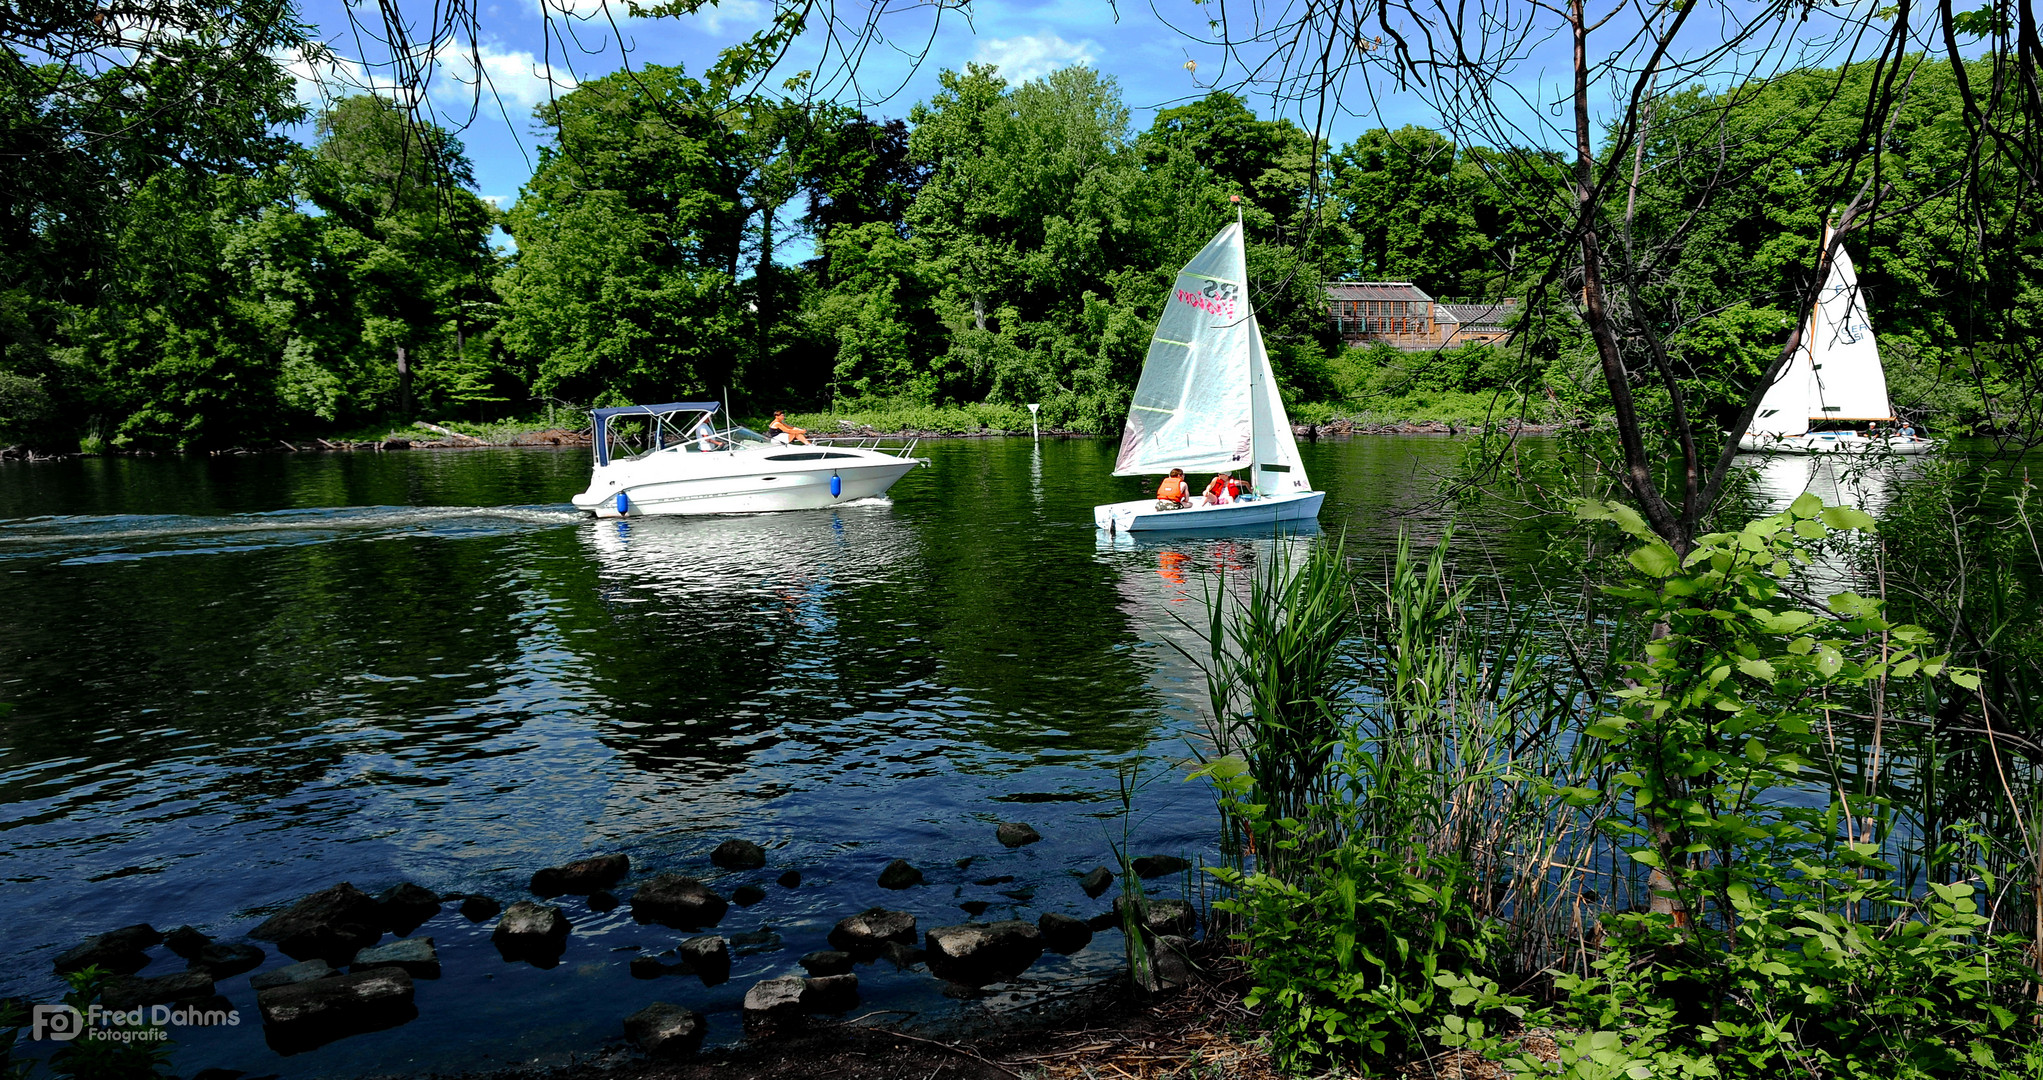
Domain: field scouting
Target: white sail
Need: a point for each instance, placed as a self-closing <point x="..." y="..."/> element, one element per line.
<point x="1191" y="408"/>
<point x="1849" y="384"/>
<point x="1278" y="468"/>
<point x="1788" y="402"/>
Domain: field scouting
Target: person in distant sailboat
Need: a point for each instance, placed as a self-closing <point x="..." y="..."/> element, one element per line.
<point x="1173" y="493"/>
<point x="1222" y="490"/>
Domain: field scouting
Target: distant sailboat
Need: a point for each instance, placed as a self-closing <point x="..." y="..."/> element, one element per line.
<point x="1207" y="402"/>
<point x="1834" y="377"/>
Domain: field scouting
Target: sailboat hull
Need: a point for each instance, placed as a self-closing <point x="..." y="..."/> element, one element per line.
<point x="1835" y="442"/>
<point x="1141" y="515"/>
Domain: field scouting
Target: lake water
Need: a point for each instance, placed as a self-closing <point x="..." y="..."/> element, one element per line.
<point x="241" y="680"/>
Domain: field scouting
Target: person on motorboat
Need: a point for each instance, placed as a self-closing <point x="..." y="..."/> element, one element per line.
<point x="1172" y="494"/>
<point x="1222" y="490"/>
<point x="704" y="435"/>
<point x="784" y="432"/>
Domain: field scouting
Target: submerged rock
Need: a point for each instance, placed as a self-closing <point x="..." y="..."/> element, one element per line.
<point x="738" y="855"/>
<point x="650" y="967"/>
<point x="1015" y="834"/>
<point x="405" y="906"/>
<point x="119" y="951"/>
<point x="480" y="909"/>
<point x="302" y="971"/>
<point x="416" y="956"/>
<point x="680" y="902"/>
<point x="601" y="901"/>
<point x="328" y="1000"/>
<point x="220" y="960"/>
<point x="128" y="991"/>
<point x="1064" y="934"/>
<point x="332" y="924"/>
<point x="974" y="908"/>
<point x="186" y="941"/>
<point x="663" y="1030"/>
<point x="1156" y="866"/>
<point x="581" y="877"/>
<point x="899" y="875"/>
<point x="747" y="895"/>
<point x="790" y="880"/>
<point x="1096" y="881"/>
<point x="865" y="933"/>
<point x="763" y="940"/>
<point x="827" y="962"/>
<point x="975" y="954"/>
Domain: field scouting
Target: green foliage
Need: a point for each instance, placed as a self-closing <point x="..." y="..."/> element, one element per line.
<point x="106" y="1059"/>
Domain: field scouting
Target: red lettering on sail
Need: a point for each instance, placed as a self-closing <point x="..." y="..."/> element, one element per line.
<point x="1210" y="305"/>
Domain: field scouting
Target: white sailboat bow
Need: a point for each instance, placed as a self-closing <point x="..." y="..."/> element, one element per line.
<point x="1207" y="402"/>
<point x="1835" y="377"/>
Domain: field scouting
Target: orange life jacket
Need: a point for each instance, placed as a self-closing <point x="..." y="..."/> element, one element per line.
<point x="1219" y="487"/>
<point x="1172" y="489"/>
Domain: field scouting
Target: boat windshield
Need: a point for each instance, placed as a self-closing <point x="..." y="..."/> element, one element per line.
<point x="745" y="435"/>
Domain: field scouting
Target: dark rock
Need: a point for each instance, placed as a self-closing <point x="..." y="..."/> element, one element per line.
<point x="710" y="956"/>
<point x="864" y="934"/>
<point x="1015" y="834"/>
<point x="775" y="999"/>
<point x="830" y="993"/>
<point x="899" y="875"/>
<point x="1001" y="880"/>
<point x="648" y="967"/>
<point x="535" y="933"/>
<point x="416" y="956"/>
<point x="1156" y="866"/>
<point x="738" y="855"/>
<point x="601" y="901"/>
<point x="397" y="444"/>
<point x="128" y="991"/>
<point x="1020" y="896"/>
<point x="662" y="1030"/>
<point x="975" y="908"/>
<point x="186" y="942"/>
<point x="975" y="954"/>
<point x="1170" y="964"/>
<point x="1064" y="934"/>
<point x="680" y="902"/>
<point x="827" y="962"/>
<point x="220" y="961"/>
<point x="962" y="993"/>
<point x="347" y="996"/>
<point x="1096" y="881"/>
<point x="332" y="924"/>
<point x="762" y="940"/>
<point x="405" y="906"/>
<point x="1174" y="917"/>
<point x="902" y="956"/>
<point x="480" y="909"/>
<point x="747" y="895"/>
<point x="302" y="971"/>
<point x="1104" y="921"/>
<point x="581" y="877"/>
<point x="118" y="951"/>
<point x="790" y="880"/>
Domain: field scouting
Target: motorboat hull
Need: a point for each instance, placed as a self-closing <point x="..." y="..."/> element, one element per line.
<point x="1141" y="515"/>
<point x="760" y="485"/>
<point x="1835" y="442"/>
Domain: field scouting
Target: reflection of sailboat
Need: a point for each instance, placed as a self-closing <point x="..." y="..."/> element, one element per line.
<point x="1208" y="402"/>
<point x="1866" y="484"/>
<point x="1835" y="377"/>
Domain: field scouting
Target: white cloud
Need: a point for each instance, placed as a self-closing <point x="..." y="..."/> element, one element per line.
<point x="515" y="76"/>
<point x="323" y="76"/>
<point x="743" y="16"/>
<point x="1035" y="55"/>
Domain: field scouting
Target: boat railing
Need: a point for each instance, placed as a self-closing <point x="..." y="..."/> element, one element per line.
<point x="897" y="445"/>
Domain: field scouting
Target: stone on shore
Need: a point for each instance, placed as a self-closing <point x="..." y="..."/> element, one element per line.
<point x="480" y="909"/>
<point x="1170" y="964"/>
<point x="221" y="960"/>
<point x="866" y="933"/>
<point x="128" y="991"/>
<point x="186" y="941"/>
<point x="416" y="956"/>
<point x="775" y="999"/>
<point x="581" y="877"/>
<point x="662" y="1030"/>
<point x="830" y="993"/>
<point x="405" y="906"/>
<point x="1096" y="881"/>
<point x="977" y="954"/>
<point x="1016" y="834"/>
<point x="332" y="924"/>
<point x="302" y="971"/>
<point x="826" y="962"/>
<point x="680" y="902"/>
<point x="1174" y="917"/>
<point x="1064" y="934"/>
<point x="1156" y="866"/>
<point x="118" y="951"/>
<point x="738" y="855"/>
<point x="900" y="875"/>
<point x="345" y="998"/>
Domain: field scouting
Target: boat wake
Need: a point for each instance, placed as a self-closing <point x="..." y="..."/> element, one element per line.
<point x="84" y="539"/>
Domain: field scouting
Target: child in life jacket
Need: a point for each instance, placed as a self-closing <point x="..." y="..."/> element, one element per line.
<point x="1172" y="494"/>
<point x="1222" y="490"/>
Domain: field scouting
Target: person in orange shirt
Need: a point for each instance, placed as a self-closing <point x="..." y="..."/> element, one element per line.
<point x="1222" y="490"/>
<point x="1172" y="493"/>
<point x="784" y="432"/>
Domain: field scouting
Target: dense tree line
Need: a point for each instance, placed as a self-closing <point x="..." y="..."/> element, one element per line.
<point x="200" y="280"/>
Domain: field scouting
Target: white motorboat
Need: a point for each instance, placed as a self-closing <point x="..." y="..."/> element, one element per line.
<point x="1207" y="402"/>
<point x="1834" y="378"/>
<point x="675" y="459"/>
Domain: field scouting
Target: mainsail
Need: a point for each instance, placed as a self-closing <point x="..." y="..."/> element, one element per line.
<point x="1835" y="375"/>
<point x="1207" y="400"/>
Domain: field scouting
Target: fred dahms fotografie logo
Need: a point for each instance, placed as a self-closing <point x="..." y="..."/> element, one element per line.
<point x="62" y="1023"/>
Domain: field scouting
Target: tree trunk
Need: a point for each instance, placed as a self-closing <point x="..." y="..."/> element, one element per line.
<point x="403" y="383"/>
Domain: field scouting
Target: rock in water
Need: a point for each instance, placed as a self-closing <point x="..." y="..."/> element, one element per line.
<point x="118" y="951"/>
<point x="1096" y="881"/>
<point x="975" y="955"/>
<point x="1015" y="834"/>
<point x="1064" y="934"/>
<point x="326" y="1000"/>
<point x="790" y="880"/>
<point x="975" y="908"/>
<point x="649" y="967"/>
<point x="830" y="993"/>
<point x="1174" y="917"/>
<point x="662" y="1030"/>
<point x="332" y="924"/>
<point x="827" y="962"/>
<point x="774" y="999"/>
<point x="405" y="906"/>
<point x="303" y="971"/>
<point x="866" y="933"/>
<point x="710" y="956"/>
<point x="480" y="909"/>
<point x="680" y="902"/>
<point x="1156" y="866"/>
<point x="738" y="855"/>
<point x="220" y="961"/>
<point x="747" y="895"/>
<point x="533" y="932"/>
<point x="416" y="956"/>
<point x="899" y="875"/>
<point x="581" y="877"/>
<point x="186" y="941"/>
<point x="601" y="901"/>
<point x="127" y="991"/>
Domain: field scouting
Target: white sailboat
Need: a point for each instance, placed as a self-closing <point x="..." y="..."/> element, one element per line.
<point x="1207" y="402"/>
<point x="1835" y="377"/>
